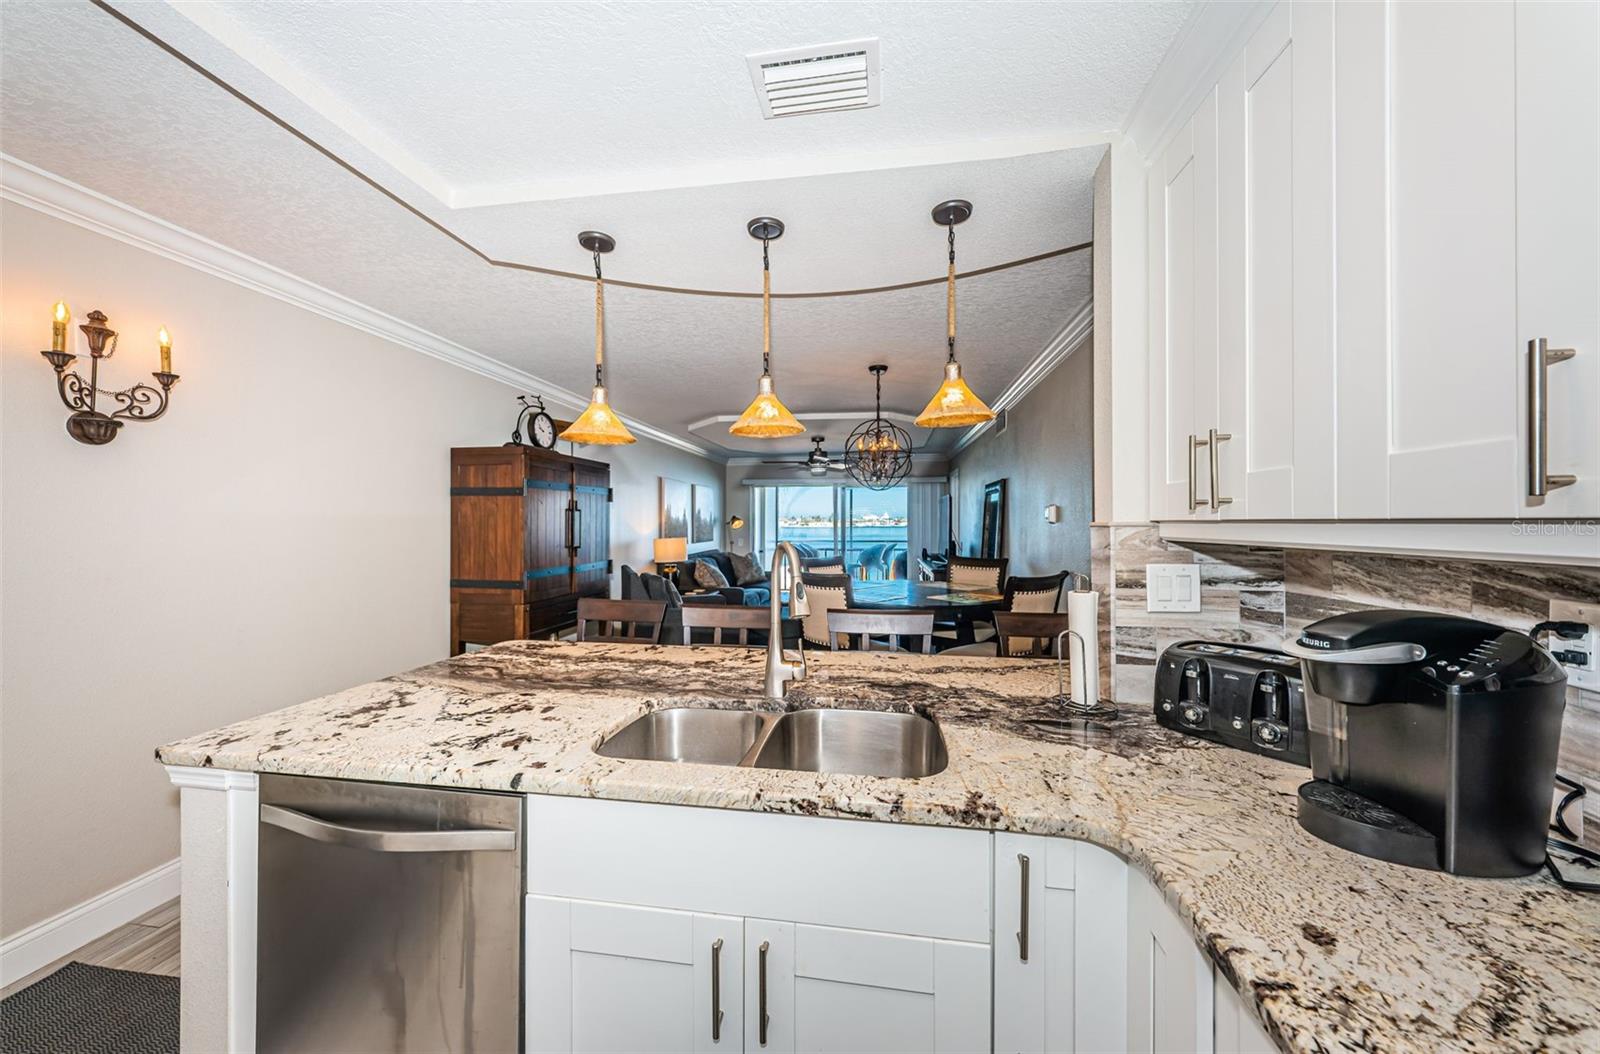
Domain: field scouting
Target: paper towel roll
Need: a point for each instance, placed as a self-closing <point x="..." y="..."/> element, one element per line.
<point x="1083" y="618"/>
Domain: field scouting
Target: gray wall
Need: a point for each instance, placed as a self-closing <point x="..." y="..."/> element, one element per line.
<point x="1046" y="457"/>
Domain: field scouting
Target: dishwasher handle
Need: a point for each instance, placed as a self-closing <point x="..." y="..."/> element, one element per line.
<point x="381" y="840"/>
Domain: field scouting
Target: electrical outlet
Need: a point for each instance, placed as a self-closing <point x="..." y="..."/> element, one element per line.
<point x="1580" y="658"/>
<point x="1172" y="587"/>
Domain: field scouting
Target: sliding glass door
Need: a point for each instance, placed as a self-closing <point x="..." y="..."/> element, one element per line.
<point x="864" y="529"/>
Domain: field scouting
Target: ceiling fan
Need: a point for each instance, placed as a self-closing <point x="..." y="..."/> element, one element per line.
<point x="818" y="463"/>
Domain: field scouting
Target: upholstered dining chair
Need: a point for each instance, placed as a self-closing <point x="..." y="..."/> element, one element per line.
<point x="969" y="574"/>
<point x="855" y="630"/>
<point x="822" y="565"/>
<point x="824" y="593"/>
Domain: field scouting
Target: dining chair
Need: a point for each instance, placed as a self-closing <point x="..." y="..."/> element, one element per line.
<point x="723" y="622"/>
<point x="822" y="565"/>
<point x="1038" y="593"/>
<point x="847" y="627"/>
<point x="637" y="621"/>
<point x="969" y="574"/>
<point x="824" y="593"/>
<point x="1018" y="635"/>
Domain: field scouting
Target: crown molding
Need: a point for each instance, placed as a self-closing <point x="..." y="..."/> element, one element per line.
<point x="34" y="188"/>
<point x="1068" y="339"/>
<point x="1213" y="34"/>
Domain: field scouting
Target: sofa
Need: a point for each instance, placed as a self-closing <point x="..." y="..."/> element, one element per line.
<point x="636" y="586"/>
<point x="756" y="595"/>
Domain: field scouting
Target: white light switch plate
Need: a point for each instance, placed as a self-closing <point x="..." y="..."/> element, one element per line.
<point x="1172" y="587"/>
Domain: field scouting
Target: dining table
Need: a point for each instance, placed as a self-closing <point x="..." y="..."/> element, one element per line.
<point x="962" y="607"/>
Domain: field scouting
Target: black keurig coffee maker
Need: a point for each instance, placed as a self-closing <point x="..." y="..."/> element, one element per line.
<point x="1433" y="740"/>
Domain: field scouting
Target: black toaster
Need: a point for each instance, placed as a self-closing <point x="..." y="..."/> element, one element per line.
<point x="1234" y="694"/>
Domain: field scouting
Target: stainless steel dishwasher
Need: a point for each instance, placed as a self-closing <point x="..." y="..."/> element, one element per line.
<point x="389" y="918"/>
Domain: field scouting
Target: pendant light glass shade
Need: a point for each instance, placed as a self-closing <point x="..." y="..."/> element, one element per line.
<point x="954" y="405"/>
<point x="766" y="417"/>
<point x="598" y="425"/>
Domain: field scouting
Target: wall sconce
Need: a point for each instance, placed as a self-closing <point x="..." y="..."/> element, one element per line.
<point x="88" y="424"/>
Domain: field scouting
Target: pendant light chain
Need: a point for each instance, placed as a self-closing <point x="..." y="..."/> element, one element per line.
<point x="766" y="310"/>
<point x="950" y="296"/>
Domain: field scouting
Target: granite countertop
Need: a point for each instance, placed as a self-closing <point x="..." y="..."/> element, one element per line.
<point x="1336" y="951"/>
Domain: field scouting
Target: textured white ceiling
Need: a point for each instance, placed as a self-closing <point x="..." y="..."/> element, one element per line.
<point x="136" y="124"/>
<point x="502" y="101"/>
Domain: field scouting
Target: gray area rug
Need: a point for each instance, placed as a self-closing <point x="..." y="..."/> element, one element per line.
<point x="92" y="1010"/>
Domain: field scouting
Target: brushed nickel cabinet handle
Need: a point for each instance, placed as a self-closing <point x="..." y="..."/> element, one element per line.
<point x="1195" y="443"/>
<point x="716" y="990"/>
<point x="762" y="1010"/>
<point x="1022" y="934"/>
<point x="1214" y="440"/>
<point x="1540" y="357"/>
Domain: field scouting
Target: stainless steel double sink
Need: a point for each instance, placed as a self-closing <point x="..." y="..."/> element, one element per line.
<point x="845" y="742"/>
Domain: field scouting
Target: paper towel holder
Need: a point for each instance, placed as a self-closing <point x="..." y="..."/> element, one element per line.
<point x="1098" y="711"/>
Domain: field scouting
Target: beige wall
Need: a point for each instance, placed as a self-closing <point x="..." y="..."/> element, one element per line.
<point x="1046" y="457"/>
<point x="283" y="532"/>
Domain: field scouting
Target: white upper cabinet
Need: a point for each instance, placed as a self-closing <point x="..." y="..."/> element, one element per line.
<point x="1558" y="242"/>
<point x="1391" y="204"/>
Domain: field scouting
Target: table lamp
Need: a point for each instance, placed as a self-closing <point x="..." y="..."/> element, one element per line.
<point x="670" y="552"/>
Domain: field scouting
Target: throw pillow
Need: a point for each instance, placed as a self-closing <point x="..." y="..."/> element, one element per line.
<point x="632" y="585"/>
<point x="708" y="575"/>
<point x="746" y="572"/>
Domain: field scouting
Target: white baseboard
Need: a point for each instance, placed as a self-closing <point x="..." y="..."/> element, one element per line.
<point x="60" y="935"/>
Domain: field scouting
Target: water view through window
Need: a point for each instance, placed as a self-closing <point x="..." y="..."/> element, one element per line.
<point x="866" y="527"/>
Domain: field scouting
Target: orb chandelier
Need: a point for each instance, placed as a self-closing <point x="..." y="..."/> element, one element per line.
<point x="954" y="405"/>
<point x="878" y="453"/>
<point x="766" y="417"/>
<point x="598" y="424"/>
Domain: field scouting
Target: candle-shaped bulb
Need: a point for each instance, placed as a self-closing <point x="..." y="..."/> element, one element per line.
<point x="165" y="340"/>
<point x="60" y="315"/>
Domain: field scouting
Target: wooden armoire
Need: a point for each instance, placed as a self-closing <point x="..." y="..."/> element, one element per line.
<point x="530" y="533"/>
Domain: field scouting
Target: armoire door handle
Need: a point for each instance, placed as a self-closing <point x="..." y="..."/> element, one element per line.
<point x="1215" y="440"/>
<point x="1540" y="357"/>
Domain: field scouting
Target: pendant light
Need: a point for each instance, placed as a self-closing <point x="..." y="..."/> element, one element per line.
<point x="766" y="417"/>
<point x="954" y="405"/>
<point x="598" y="425"/>
<point x="878" y="453"/>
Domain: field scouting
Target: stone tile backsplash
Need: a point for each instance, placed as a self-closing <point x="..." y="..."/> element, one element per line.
<point x="1259" y="596"/>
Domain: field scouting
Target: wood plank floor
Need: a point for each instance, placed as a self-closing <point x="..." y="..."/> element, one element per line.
<point x="148" y="944"/>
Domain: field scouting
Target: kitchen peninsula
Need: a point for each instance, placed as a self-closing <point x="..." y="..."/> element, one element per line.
<point x="1121" y="827"/>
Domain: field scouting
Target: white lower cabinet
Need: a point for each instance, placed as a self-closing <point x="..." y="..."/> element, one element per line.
<point x="818" y="989"/>
<point x="1237" y="1030"/>
<point x="1060" y="965"/>
<point x="613" y="977"/>
<point x="1169" y="978"/>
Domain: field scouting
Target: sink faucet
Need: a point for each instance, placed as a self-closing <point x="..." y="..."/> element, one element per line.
<point x="779" y="669"/>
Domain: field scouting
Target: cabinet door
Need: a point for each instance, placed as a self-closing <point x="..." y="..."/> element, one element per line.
<point x="820" y="990"/>
<point x="609" y="977"/>
<point x="1275" y="200"/>
<point x="1169" y="979"/>
<point x="549" y="558"/>
<point x="591" y="531"/>
<point x="1183" y="295"/>
<point x="1237" y="1030"/>
<point x="1453" y="365"/>
<point x="1558" y="239"/>
<point x="1069" y="993"/>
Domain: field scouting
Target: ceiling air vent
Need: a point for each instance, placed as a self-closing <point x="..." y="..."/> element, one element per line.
<point x="841" y="76"/>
